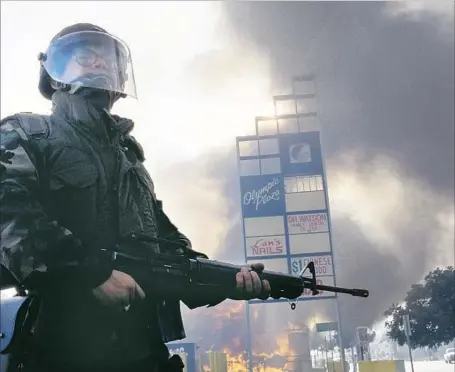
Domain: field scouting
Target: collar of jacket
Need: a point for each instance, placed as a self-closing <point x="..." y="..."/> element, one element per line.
<point x="91" y="116"/>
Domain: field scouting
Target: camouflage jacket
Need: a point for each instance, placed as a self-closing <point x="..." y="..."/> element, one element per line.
<point x="72" y="184"/>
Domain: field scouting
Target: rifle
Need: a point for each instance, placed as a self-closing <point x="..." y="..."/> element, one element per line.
<point x="177" y="277"/>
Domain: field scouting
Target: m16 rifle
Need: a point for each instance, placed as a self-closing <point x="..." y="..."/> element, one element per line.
<point x="192" y="274"/>
<point x="189" y="277"/>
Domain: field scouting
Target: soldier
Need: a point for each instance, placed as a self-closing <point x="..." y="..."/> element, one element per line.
<point x="73" y="183"/>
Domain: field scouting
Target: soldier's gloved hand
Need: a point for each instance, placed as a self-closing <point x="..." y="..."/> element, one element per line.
<point x="119" y="291"/>
<point x="250" y="285"/>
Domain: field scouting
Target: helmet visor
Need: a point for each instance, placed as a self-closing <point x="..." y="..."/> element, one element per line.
<point x="91" y="59"/>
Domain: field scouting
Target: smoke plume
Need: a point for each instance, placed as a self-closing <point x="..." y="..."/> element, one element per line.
<point x="385" y="92"/>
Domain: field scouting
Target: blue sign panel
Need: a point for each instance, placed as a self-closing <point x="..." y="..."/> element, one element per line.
<point x="262" y="196"/>
<point x="188" y="348"/>
<point x="301" y="153"/>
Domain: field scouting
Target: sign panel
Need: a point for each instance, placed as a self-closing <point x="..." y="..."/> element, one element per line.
<point x="309" y="243"/>
<point x="307" y="223"/>
<point x="326" y="327"/>
<point x="301" y="153"/>
<point x="266" y="246"/>
<point x="407" y="325"/>
<point x="262" y="196"/>
<point x="264" y="226"/>
<point x="322" y="264"/>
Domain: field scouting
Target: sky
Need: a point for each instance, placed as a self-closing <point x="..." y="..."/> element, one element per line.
<point x="204" y="70"/>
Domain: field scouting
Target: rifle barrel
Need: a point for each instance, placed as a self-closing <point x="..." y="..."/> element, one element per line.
<point x="352" y="291"/>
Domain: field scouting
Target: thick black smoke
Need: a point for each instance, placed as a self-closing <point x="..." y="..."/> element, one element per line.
<point x="385" y="90"/>
<point x="385" y="84"/>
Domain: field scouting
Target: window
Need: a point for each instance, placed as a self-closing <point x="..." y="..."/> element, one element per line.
<point x="268" y="146"/>
<point x="270" y="166"/>
<point x="267" y="127"/>
<point x="249" y="167"/>
<point x="288" y="125"/>
<point x="309" y="123"/>
<point x="248" y="148"/>
<point x="305" y="106"/>
<point x="285" y="107"/>
<point x="303" y="184"/>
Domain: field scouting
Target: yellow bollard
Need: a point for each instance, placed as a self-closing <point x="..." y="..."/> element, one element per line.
<point x="334" y="366"/>
<point x="382" y="366"/>
<point x="218" y="361"/>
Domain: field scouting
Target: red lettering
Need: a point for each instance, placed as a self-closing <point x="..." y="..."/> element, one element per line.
<point x="267" y="247"/>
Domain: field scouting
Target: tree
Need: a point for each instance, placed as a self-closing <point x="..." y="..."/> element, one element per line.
<point x="431" y="309"/>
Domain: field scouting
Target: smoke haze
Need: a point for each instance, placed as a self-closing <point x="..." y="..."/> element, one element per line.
<point x="385" y="91"/>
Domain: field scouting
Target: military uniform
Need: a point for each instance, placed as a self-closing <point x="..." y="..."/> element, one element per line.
<point x="74" y="183"/>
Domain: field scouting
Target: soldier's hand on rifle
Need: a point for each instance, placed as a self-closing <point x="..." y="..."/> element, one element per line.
<point x="249" y="283"/>
<point x="119" y="291"/>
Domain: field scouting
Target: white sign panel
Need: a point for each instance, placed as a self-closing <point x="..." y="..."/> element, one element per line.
<point x="266" y="246"/>
<point x="323" y="264"/>
<point x="307" y="223"/>
<point x="309" y="243"/>
<point x="264" y="226"/>
<point x="325" y="280"/>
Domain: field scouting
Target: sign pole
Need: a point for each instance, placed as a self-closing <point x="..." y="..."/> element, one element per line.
<point x="326" y="353"/>
<point x="249" y="346"/>
<point x="407" y="331"/>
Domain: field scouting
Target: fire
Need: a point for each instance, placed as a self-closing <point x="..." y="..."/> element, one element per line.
<point x="274" y="335"/>
<point x="227" y="309"/>
<point x="261" y="361"/>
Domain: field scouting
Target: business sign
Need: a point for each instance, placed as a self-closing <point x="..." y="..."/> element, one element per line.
<point x="323" y="264"/>
<point x="262" y="196"/>
<point x="326" y="327"/>
<point x="266" y="246"/>
<point x="307" y="223"/>
<point x="301" y="153"/>
<point x="187" y="350"/>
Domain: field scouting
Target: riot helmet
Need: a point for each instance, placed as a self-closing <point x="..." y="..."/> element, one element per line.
<point x="86" y="56"/>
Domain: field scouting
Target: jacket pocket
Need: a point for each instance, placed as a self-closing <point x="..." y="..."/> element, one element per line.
<point x="73" y="168"/>
<point x="73" y="193"/>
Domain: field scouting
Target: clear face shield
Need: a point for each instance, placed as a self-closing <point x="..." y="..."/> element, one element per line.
<point x="91" y="59"/>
